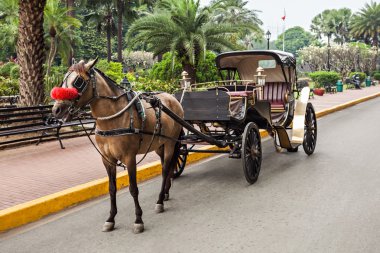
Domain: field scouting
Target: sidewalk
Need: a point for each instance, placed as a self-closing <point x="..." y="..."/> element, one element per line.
<point x="32" y="172"/>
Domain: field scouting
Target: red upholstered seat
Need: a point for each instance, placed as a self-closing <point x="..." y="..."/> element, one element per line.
<point x="240" y="93"/>
<point x="275" y="92"/>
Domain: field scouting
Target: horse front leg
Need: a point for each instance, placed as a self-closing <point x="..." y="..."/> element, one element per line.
<point x="138" y="227"/>
<point x="109" y="225"/>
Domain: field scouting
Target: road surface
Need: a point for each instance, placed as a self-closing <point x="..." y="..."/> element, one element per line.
<point x="328" y="202"/>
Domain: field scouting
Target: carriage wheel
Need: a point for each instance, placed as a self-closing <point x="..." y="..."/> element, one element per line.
<point x="251" y="152"/>
<point x="181" y="162"/>
<point x="310" y="136"/>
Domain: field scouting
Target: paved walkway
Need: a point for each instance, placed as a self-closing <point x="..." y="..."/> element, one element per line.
<point x="31" y="172"/>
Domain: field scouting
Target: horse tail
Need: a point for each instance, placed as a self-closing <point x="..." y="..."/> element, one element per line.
<point x="177" y="152"/>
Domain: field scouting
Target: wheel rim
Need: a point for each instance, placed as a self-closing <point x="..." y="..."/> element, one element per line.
<point x="252" y="154"/>
<point x="181" y="162"/>
<point x="310" y="134"/>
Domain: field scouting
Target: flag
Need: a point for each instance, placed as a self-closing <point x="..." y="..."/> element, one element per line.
<point x="284" y="17"/>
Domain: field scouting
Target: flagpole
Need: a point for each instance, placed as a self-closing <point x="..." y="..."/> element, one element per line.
<point x="283" y="31"/>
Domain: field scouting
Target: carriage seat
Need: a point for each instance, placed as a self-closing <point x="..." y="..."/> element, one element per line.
<point x="240" y="93"/>
<point x="274" y="92"/>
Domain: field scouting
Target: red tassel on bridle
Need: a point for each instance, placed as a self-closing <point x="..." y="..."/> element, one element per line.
<point x="59" y="93"/>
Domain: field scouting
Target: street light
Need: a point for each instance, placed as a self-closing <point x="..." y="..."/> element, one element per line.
<point x="267" y="35"/>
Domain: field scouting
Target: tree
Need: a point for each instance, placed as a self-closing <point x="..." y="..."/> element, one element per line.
<point x="102" y="17"/>
<point x="296" y="38"/>
<point x="8" y="27"/>
<point x="366" y="23"/>
<point x="30" y="51"/>
<point x="333" y="24"/>
<point x="59" y="24"/>
<point x="184" y="29"/>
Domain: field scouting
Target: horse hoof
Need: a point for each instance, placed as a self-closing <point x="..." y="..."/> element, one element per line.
<point x="159" y="208"/>
<point x="108" y="226"/>
<point x="166" y="197"/>
<point x="138" y="228"/>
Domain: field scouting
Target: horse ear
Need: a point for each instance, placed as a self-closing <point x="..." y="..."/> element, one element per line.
<point x="89" y="65"/>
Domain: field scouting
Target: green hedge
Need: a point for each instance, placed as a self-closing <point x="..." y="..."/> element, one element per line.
<point x="322" y="78"/>
<point x="376" y="76"/>
<point x="8" y="86"/>
<point x="5" y="70"/>
<point x="362" y="75"/>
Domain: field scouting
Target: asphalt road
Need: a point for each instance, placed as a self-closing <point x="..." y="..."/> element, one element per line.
<point x="328" y="202"/>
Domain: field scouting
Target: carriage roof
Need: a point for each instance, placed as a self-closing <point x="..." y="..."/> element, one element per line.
<point x="281" y="66"/>
<point x="233" y="59"/>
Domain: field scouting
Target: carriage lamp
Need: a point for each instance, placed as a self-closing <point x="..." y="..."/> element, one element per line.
<point x="260" y="78"/>
<point x="125" y="83"/>
<point x="260" y="81"/>
<point x="185" y="81"/>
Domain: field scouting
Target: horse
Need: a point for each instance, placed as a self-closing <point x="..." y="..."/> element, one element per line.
<point x="85" y="85"/>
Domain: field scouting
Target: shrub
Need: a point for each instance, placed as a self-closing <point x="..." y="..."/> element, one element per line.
<point x="155" y="85"/>
<point x="362" y="75"/>
<point x="5" y="70"/>
<point x="376" y="76"/>
<point x="323" y="78"/>
<point x="15" y="72"/>
<point x="113" y="70"/>
<point x="8" y="87"/>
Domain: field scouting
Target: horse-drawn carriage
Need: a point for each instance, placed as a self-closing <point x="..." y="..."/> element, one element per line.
<point x="255" y="92"/>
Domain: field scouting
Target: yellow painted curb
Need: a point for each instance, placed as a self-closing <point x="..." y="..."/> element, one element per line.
<point x="346" y="105"/>
<point x="36" y="209"/>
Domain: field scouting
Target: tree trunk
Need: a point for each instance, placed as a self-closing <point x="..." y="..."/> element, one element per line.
<point x="108" y="42"/>
<point x="30" y="51"/>
<point x="191" y="71"/>
<point x="52" y="53"/>
<point x="120" y="12"/>
<point x="70" y="13"/>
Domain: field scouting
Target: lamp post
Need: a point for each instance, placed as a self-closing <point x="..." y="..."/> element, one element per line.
<point x="268" y="35"/>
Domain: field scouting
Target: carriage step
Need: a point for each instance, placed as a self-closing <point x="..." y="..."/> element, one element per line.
<point x="235" y="152"/>
<point x="283" y="137"/>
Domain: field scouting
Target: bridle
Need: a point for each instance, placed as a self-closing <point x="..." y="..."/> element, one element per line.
<point x="81" y="85"/>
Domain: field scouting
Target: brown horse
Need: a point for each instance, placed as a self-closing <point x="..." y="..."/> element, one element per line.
<point x="107" y="102"/>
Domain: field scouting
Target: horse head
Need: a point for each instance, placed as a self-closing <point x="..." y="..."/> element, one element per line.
<point x="76" y="90"/>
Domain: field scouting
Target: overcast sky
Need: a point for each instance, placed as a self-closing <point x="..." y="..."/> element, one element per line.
<point x="298" y="12"/>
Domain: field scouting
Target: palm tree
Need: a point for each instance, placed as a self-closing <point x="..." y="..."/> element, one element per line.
<point x="102" y="17"/>
<point x="323" y="24"/>
<point x="183" y="28"/>
<point x="59" y="26"/>
<point x="31" y="51"/>
<point x="8" y="25"/>
<point x="235" y="12"/>
<point x="366" y="23"/>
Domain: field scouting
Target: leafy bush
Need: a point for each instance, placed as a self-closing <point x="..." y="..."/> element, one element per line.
<point x="5" y="70"/>
<point x="15" y="72"/>
<point x="362" y="75"/>
<point x="376" y="76"/>
<point x="155" y="85"/>
<point x="8" y="86"/>
<point x="113" y="70"/>
<point x="164" y="70"/>
<point x="323" y="78"/>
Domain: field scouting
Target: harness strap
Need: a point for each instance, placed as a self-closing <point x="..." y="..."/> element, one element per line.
<point x="129" y="131"/>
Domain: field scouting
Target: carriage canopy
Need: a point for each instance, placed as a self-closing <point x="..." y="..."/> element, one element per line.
<point x="278" y="66"/>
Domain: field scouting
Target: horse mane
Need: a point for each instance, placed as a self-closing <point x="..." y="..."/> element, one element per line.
<point x="79" y="68"/>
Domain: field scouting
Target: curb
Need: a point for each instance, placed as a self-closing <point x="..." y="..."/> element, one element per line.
<point x="36" y="209"/>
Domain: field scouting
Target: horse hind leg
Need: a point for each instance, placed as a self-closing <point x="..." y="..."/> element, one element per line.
<point x="166" y="171"/>
<point x="109" y="225"/>
<point x="173" y="164"/>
